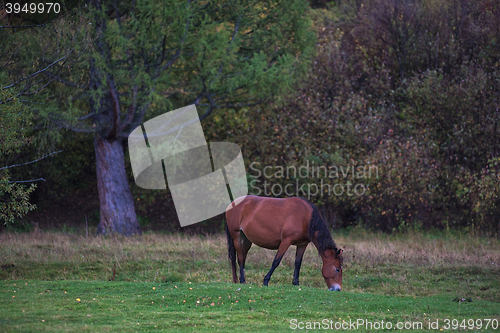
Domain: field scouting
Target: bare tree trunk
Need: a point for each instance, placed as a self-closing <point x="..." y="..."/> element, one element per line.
<point x="116" y="201"/>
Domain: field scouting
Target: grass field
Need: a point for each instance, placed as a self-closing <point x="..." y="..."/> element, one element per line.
<point x="61" y="282"/>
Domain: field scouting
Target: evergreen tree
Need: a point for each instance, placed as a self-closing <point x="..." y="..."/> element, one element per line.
<point x="112" y="65"/>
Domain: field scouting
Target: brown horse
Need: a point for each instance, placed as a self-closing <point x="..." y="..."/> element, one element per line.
<point x="274" y="223"/>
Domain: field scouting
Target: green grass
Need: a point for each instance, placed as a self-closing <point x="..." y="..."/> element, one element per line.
<point x="400" y="278"/>
<point x="131" y="306"/>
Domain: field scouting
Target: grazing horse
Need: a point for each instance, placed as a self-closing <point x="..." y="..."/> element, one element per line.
<point x="276" y="224"/>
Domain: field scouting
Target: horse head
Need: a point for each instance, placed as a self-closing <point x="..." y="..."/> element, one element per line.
<point x="332" y="268"/>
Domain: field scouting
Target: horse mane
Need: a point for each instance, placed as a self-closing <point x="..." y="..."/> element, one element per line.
<point x="324" y="240"/>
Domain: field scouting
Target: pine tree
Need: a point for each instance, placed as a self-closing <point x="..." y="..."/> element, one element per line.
<point x="112" y="65"/>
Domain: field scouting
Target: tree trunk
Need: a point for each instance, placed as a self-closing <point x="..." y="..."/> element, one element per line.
<point x="115" y="198"/>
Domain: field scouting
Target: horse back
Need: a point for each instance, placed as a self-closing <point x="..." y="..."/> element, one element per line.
<point x="267" y="221"/>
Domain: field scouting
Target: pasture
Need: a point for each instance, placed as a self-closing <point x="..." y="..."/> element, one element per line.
<point x="54" y="282"/>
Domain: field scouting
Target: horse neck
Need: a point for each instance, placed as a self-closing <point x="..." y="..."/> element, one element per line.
<point x="319" y="234"/>
<point x="318" y="247"/>
<point x="321" y="247"/>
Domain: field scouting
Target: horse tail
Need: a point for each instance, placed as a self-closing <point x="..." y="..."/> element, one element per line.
<point x="231" y="251"/>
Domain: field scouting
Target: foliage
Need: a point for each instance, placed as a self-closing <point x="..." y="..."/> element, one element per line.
<point x="407" y="87"/>
<point x="14" y="199"/>
<point x="483" y="194"/>
<point x="112" y="65"/>
<point x="14" y="123"/>
<point x="154" y="56"/>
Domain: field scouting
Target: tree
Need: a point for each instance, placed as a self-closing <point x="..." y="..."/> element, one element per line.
<point x="132" y="61"/>
<point x="16" y="118"/>
<point x="14" y="197"/>
<point x="15" y="126"/>
<point x="431" y="133"/>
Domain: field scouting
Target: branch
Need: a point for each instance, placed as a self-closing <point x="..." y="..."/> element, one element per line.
<point x="27" y="101"/>
<point x="168" y="64"/>
<point x="41" y="158"/>
<point x="198" y="99"/>
<point x="37" y="91"/>
<point x="68" y="83"/>
<point x="28" y="26"/>
<point x="233" y="104"/>
<point x="235" y="31"/>
<point x="88" y="116"/>
<point x="131" y="110"/>
<point x="143" y="111"/>
<point x="178" y="53"/>
<point x="226" y="93"/>
<point x="21" y="26"/>
<point x="171" y="130"/>
<point x="115" y="102"/>
<point x="207" y="112"/>
<point x="36" y="73"/>
<point x="75" y="129"/>
<point x="10" y="57"/>
<point x="26" y="181"/>
<point x="211" y="105"/>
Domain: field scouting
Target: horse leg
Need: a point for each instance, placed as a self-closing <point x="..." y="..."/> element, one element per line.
<point x="298" y="261"/>
<point x="231" y="250"/>
<point x="285" y="244"/>
<point x="242" y="248"/>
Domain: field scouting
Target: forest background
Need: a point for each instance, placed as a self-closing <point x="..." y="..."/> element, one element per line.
<point x="411" y="87"/>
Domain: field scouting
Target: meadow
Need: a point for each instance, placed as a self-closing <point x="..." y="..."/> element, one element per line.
<point x="53" y="281"/>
